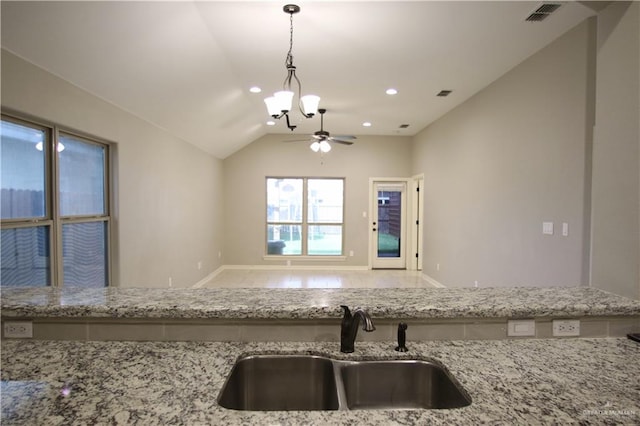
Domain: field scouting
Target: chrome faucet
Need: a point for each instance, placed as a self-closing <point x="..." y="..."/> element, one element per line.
<point x="349" y="327"/>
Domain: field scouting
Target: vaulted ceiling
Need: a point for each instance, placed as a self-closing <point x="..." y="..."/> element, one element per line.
<point x="187" y="66"/>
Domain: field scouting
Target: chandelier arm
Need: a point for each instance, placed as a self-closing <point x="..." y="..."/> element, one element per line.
<point x="286" y="84"/>
<point x="288" y="123"/>
<point x="299" y="97"/>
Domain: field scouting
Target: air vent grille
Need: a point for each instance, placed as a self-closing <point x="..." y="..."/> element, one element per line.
<point x="542" y="12"/>
<point x="444" y="93"/>
<point x="547" y="8"/>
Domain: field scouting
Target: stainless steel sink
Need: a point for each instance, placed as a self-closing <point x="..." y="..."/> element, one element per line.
<point x="281" y="382"/>
<point x="308" y="382"/>
<point x="400" y="384"/>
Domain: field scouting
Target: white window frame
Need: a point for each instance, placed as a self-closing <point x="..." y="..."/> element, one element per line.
<point x="52" y="217"/>
<point x="304" y="223"/>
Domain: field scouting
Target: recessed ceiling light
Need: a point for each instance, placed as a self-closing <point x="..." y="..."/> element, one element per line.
<point x="392" y="91"/>
<point x="271" y="123"/>
<point x="255" y="89"/>
<point x="366" y="124"/>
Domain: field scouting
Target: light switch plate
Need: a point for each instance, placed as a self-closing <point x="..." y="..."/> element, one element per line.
<point x="519" y="328"/>
<point x="547" y="228"/>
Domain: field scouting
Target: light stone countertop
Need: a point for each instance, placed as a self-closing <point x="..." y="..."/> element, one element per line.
<point x="295" y="304"/>
<point x="513" y="382"/>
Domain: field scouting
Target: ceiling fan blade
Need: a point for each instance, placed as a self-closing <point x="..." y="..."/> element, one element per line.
<point x="341" y="141"/>
<point x="345" y="137"/>
<point x="299" y="140"/>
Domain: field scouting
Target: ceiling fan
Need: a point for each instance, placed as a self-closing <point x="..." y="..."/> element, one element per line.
<point x="320" y="139"/>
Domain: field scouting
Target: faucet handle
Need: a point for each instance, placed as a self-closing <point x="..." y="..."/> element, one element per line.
<point x="402" y="338"/>
<point x="347" y="312"/>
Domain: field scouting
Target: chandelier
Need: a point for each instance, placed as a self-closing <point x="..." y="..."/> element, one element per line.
<point x="279" y="105"/>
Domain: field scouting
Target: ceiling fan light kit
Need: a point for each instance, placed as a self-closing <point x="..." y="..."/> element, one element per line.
<point x="322" y="146"/>
<point x="321" y="140"/>
<point x="280" y="104"/>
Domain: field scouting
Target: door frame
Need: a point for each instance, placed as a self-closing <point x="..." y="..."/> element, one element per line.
<point x="412" y="212"/>
<point x="414" y="219"/>
<point x="416" y="222"/>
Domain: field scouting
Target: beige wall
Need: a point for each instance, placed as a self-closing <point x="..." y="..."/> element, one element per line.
<point x="245" y="202"/>
<point x="514" y="155"/>
<point x="503" y="162"/>
<point x="616" y="152"/>
<point x="168" y="210"/>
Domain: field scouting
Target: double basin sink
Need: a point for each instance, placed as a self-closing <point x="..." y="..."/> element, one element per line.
<point x="310" y="382"/>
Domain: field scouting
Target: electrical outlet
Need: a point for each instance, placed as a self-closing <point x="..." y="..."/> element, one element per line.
<point x="566" y="328"/>
<point x="18" y="330"/>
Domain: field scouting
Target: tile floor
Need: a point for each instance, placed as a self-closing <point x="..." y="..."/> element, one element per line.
<point x="261" y="278"/>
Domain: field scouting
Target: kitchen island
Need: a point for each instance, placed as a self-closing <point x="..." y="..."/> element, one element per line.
<point x="312" y="304"/>
<point x="242" y="314"/>
<point x="527" y="381"/>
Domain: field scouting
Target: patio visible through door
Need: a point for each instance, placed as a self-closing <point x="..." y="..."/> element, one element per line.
<point x="388" y="225"/>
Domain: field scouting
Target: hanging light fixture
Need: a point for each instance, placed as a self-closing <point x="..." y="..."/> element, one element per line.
<point x="279" y="105"/>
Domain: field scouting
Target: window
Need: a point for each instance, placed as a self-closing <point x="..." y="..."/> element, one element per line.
<point x="54" y="207"/>
<point x="305" y="216"/>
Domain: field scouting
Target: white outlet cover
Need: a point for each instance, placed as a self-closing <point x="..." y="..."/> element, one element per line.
<point x="519" y="328"/>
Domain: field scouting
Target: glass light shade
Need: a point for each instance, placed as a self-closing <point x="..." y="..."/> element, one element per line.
<point x="310" y="104"/>
<point x="324" y="146"/>
<point x="272" y="106"/>
<point x="315" y="147"/>
<point x="280" y="101"/>
<point x="284" y="98"/>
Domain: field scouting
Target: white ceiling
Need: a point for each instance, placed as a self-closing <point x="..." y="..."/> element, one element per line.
<point x="187" y="66"/>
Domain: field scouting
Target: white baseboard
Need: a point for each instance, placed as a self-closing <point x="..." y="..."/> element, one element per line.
<point x="208" y="278"/>
<point x="432" y="281"/>
<point x="297" y="267"/>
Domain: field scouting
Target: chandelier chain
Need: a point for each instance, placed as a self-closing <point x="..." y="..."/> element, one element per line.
<point x="289" y="60"/>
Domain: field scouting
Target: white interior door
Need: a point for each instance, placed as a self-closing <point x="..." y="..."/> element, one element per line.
<point x="388" y="225"/>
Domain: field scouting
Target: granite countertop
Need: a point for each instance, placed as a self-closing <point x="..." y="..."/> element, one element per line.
<point x="241" y="303"/>
<point x="568" y="381"/>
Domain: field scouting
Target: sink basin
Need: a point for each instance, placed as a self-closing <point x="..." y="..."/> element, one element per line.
<point x="400" y="384"/>
<point x="309" y="382"/>
<point x="281" y="382"/>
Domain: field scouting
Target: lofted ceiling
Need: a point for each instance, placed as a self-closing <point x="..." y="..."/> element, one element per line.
<point x="187" y="66"/>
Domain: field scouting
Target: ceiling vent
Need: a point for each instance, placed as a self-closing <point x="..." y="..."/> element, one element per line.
<point x="542" y="12"/>
<point x="444" y="93"/>
<point x="403" y="126"/>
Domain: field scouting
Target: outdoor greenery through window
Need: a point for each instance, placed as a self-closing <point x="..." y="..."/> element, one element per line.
<point x="54" y="207"/>
<point x="305" y="216"/>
